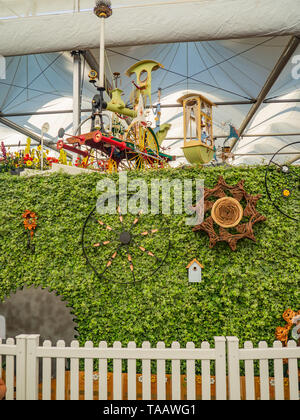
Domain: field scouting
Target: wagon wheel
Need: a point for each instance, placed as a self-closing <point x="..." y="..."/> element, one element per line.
<point x="125" y="248"/>
<point x="112" y="166"/>
<point x="283" y="184"/>
<point x="146" y="153"/>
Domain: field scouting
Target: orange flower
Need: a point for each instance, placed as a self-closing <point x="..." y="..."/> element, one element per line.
<point x="30" y="221"/>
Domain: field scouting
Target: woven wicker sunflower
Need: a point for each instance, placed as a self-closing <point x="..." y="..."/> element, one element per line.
<point x="226" y="219"/>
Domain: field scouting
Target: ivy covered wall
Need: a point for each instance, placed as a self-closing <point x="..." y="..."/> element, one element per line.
<point x="243" y="293"/>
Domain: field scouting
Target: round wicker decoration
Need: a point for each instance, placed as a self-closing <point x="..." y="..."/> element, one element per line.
<point x="227" y="212"/>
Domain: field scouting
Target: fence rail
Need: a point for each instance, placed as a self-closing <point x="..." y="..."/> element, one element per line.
<point x="29" y="370"/>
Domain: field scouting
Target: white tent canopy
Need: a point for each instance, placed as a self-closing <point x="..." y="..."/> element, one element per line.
<point x="31" y="27"/>
<point x="39" y="88"/>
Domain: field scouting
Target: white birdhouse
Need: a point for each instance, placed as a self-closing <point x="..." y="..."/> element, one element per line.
<point x="195" y="271"/>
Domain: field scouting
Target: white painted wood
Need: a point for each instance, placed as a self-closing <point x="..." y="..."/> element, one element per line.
<point x="32" y="367"/>
<point x="125" y="353"/>
<point x="10" y="374"/>
<point x="46" y="378"/>
<point x="278" y="374"/>
<point x="205" y="374"/>
<point x="249" y="375"/>
<point x="233" y="363"/>
<point x="20" y="367"/>
<point x="190" y="376"/>
<point x="269" y="353"/>
<point x="0" y="358"/>
<point x="293" y="374"/>
<point x="2" y="327"/>
<point x="176" y="385"/>
<point x="146" y="372"/>
<point x="220" y="348"/>
<point x="74" y="374"/>
<point x="88" y="374"/>
<point x="264" y="373"/>
<point x="27" y="351"/>
<point x="102" y="373"/>
<point x="161" y="375"/>
<point x="60" y="373"/>
<point x="131" y="376"/>
<point x="117" y="375"/>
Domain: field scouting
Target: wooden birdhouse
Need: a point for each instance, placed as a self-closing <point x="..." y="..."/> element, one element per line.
<point x="195" y="271"/>
<point x="197" y="128"/>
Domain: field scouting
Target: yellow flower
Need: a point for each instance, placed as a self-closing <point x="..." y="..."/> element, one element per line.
<point x="29" y="163"/>
<point x="39" y="148"/>
<point x="36" y="161"/>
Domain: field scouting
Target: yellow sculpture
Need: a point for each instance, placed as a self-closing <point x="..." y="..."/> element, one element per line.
<point x="143" y="70"/>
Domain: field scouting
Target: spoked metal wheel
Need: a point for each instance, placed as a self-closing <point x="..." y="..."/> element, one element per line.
<point x="283" y="183"/>
<point x="146" y="153"/>
<point x="125" y="248"/>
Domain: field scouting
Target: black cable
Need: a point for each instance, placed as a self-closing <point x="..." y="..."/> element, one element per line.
<point x="234" y="56"/>
<point x="39" y="75"/>
<point x="184" y="77"/>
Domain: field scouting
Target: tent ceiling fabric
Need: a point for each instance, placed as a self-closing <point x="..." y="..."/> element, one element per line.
<point x="228" y="70"/>
<point x="139" y="23"/>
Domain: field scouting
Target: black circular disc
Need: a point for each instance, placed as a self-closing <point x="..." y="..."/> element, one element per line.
<point x="281" y="177"/>
<point x="126" y="247"/>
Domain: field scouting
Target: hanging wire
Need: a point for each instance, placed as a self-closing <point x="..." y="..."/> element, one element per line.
<point x="235" y="55"/>
<point x="110" y="70"/>
<point x="184" y="77"/>
<point x="205" y="66"/>
<point x="171" y="64"/>
<point x="38" y="76"/>
<point x="11" y="84"/>
<point x="228" y="75"/>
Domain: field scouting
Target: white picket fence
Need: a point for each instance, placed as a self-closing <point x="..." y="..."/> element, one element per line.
<point x="22" y="358"/>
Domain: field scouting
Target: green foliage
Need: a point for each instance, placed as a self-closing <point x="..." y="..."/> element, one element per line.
<point x="243" y="293"/>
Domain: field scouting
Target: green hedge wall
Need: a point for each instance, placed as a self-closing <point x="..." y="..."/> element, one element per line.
<point x="243" y="293"/>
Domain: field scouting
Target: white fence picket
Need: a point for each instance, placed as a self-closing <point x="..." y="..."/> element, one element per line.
<point x="60" y="373"/>
<point x="249" y="374"/>
<point x="146" y="372"/>
<point x="205" y="374"/>
<point x="293" y="373"/>
<point x="46" y="378"/>
<point x="102" y="374"/>
<point x="131" y="382"/>
<point x="220" y="350"/>
<point x="32" y="367"/>
<point x="0" y="359"/>
<point x="161" y="375"/>
<point x="88" y="374"/>
<point x="74" y="374"/>
<point x="233" y="368"/>
<point x="190" y="376"/>
<point x="278" y="374"/>
<point x="117" y="374"/>
<point x="27" y="352"/>
<point x="264" y="374"/>
<point x="10" y="374"/>
<point x="176" y="385"/>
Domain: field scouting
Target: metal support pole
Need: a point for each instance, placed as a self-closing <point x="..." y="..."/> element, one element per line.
<point x="280" y="65"/>
<point x="102" y="53"/>
<point x="76" y="90"/>
<point x="297" y="157"/>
